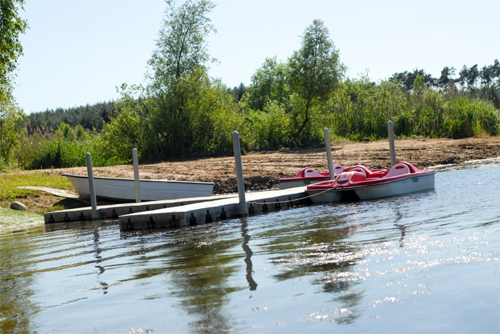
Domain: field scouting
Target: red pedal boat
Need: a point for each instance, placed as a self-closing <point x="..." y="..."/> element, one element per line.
<point x="307" y="176"/>
<point x="360" y="182"/>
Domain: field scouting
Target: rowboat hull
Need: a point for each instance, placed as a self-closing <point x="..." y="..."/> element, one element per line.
<point x="123" y="190"/>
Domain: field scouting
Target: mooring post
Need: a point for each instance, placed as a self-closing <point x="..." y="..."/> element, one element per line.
<point x="93" y="201"/>
<point x="328" y="145"/>
<point x="391" y="143"/>
<point x="243" y="209"/>
<point x="137" y="184"/>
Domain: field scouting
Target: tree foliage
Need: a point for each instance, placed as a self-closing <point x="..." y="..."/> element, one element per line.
<point x="182" y="111"/>
<point x="187" y="110"/>
<point x="12" y="121"/>
<point x="406" y="79"/>
<point x="315" y="69"/>
<point x="90" y="117"/>
<point x="471" y="78"/>
<point x="360" y="110"/>
<point x="181" y="46"/>
<point x="238" y="92"/>
<point x="11" y="27"/>
<point x="194" y="117"/>
<point x="269" y="84"/>
<point x="471" y="82"/>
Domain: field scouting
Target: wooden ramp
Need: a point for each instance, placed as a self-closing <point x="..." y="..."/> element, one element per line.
<point x="217" y="210"/>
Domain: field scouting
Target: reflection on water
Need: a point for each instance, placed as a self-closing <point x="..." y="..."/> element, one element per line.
<point x="248" y="254"/>
<point x="391" y="265"/>
<point x="16" y="284"/>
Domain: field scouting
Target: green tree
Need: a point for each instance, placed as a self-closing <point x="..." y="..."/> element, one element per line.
<point x="472" y="77"/>
<point x="180" y="119"/>
<point x="489" y="73"/>
<point x="269" y="83"/>
<point x="90" y="117"/>
<point x="80" y="132"/>
<point x="406" y="79"/>
<point x="12" y="119"/>
<point x="169" y="117"/>
<point x="469" y="76"/>
<point x="194" y="116"/>
<point x="315" y="70"/>
<point x="237" y="92"/>
<point x="11" y="26"/>
<point x="181" y="46"/>
<point x="65" y="132"/>
<point x="445" y="78"/>
<point x="12" y="128"/>
<point x="127" y="126"/>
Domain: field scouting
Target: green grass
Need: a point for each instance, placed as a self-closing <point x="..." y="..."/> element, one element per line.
<point x="10" y="181"/>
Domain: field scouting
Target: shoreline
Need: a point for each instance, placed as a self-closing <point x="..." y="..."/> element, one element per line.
<point x="262" y="170"/>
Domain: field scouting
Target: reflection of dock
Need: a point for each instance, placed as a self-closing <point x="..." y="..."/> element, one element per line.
<point x="248" y="257"/>
<point x="185" y="212"/>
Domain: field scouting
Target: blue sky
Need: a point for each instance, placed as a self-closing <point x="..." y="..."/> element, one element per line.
<point x="78" y="51"/>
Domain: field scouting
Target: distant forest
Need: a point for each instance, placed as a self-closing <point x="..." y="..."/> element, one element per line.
<point x="90" y="117"/>
<point x="481" y="83"/>
<point x="478" y="83"/>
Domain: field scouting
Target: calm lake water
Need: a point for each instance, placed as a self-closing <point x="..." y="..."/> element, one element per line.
<point x="421" y="263"/>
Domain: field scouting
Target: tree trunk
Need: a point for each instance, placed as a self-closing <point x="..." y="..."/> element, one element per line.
<point x="306" y="119"/>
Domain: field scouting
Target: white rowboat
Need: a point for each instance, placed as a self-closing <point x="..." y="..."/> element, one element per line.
<point x="123" y="190"/>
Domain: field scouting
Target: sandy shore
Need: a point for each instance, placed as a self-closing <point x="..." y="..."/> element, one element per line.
<point x="262" y="170"/>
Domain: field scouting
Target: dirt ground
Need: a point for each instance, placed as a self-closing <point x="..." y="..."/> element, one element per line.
<point x="262" y="170"/>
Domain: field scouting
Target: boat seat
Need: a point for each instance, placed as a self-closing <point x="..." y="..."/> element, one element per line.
<point x="398" y="169"/>
<point x="359" y="169"/>
<point x="338" y="169"/>
<point x="309" y="172"/>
